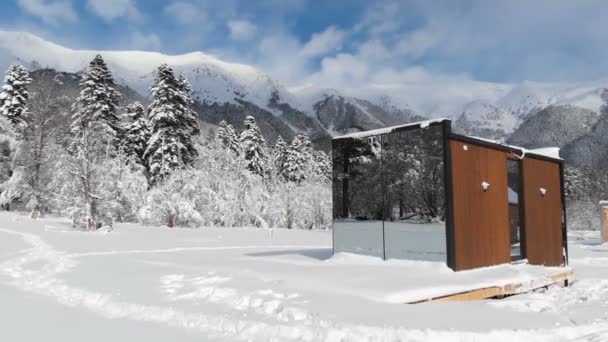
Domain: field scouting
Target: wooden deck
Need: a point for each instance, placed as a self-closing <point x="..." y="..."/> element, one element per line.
<point x="501" y="291"/>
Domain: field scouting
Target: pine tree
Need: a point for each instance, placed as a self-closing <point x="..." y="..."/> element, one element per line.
<point x="172" y="123"/>
<point x="322" y="164"/>
<point x="98" y="102"/>
<point x="94" y="129"/>
<point x="279" y="154"/>
<point x="136" y="132"/>
<point x="253" y="147"/>
<point x="226" y="135"/>
<point x="8" y="146"/>
<point x="298" y="159"/>
<point x="14" y="96"/>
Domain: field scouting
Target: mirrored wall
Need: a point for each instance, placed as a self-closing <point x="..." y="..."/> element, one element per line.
<point x="389" y="195"/>
<point x="358" y="209"/>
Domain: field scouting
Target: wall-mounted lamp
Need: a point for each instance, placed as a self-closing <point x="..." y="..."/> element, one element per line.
<point x="485" y="186"/>
<point x="543" y="192"/>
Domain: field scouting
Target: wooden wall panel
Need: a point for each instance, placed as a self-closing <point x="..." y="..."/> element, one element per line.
<point x="481" y="219"/>
<point x="543" y="214"/>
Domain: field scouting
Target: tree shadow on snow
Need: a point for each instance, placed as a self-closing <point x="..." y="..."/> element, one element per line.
<point x="315" y="253"/>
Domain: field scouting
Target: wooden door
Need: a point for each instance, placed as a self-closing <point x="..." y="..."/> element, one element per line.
<point x="481" y="218"/>
<point x="543" y="212"/>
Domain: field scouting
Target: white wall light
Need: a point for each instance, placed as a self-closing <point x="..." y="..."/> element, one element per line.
<point x="485" y="186"/>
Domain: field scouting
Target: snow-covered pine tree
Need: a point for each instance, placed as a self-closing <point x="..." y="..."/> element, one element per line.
<point x="98" y="100"/>
<point x="306" y="145"/>
<point x="94" y="129"/>
<point x="221" y="134"/>
<point x="172" y="123"/>
<point x="8" y="145"/>
<point x="322" y="164"/>
<point x="136" y="132"/>
<point x="14" y="96"/>
<point x="298" y="159"/>
<point x="253" y="147"/>
<point x="279" y="154"/>
<point x="226" y="135"/>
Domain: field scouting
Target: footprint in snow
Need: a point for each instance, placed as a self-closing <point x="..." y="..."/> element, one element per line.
<point x="211" y="288"/>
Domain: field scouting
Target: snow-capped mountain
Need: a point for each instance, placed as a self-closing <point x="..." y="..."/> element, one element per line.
<point x="212" y="79"/>
<point x="230" y="91"/>
<point x="224" y="91"/>
<point x="340" y="114"/>
<point x="591" y="149"/>
<point x="555" y="125"/>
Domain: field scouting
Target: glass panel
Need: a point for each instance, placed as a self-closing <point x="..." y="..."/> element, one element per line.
<point x="513" y="177"/>
<point x="357" y="181"/>
<point x="414" y="194"/>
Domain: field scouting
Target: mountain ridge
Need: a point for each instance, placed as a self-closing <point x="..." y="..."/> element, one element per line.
<point x="229" y="91"/>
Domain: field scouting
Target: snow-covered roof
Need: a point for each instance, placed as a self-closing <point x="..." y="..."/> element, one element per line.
<point x="386" y="130"/>
<point x="549" y="152"/>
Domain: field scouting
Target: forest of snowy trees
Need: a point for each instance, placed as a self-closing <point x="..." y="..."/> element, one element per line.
<point x="101" y="162"/>
<point x="100" y="159"/>
<point x="584" y="188"/>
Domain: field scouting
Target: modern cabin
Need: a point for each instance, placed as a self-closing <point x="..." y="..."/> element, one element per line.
<point x="420" y="192"/>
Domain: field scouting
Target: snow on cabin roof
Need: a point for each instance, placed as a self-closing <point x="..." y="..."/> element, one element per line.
<point x="386" y="130"/>
<point x="549" y="152"/>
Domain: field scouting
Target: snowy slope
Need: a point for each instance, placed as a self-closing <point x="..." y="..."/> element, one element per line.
<point x="555" y="125"/>
<point x="500" y="116"/>
<point x="155" y="284"/>
<point x="493" y="110"/>
<point x="212" y="79"/>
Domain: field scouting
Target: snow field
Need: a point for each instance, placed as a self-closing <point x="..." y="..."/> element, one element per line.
<point x="263" y="288"/>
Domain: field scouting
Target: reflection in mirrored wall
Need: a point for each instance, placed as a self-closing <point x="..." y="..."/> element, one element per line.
<point x="358" y="196"/>
<point x="414" y="194"/>
<point x="389" y="195"/>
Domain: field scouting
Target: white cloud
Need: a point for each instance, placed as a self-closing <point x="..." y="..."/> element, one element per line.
<point x="241" y="29"/>
<point x="374" y="50"/>
<point x="185" y="13"/>
<point x="381" y="17"/>
<point x="50" y="11"/>
<point x="112" y="9"/>
<point x="142" y="41"/>
<point x="408" y="87"/>
<point x="321" y="43"/>
<point x="279" y="54"/>
<point x="288" y="59"/>
<point x="417" y="43"/>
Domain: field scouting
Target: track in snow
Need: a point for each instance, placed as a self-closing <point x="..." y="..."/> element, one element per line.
<point x="38" y="270"/>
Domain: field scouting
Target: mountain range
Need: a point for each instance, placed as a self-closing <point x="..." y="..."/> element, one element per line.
<point x="528" y="114"/>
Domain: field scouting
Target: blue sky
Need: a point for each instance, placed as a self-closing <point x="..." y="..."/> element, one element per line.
<point x="341" y="42"/>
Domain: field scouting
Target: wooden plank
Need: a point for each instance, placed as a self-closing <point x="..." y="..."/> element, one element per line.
<point x="543" y="213"/>
<point x="481" y="218"/>
<point x="498" y="291"/>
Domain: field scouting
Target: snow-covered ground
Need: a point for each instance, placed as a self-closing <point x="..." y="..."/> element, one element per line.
<point x="157" y="284"/>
